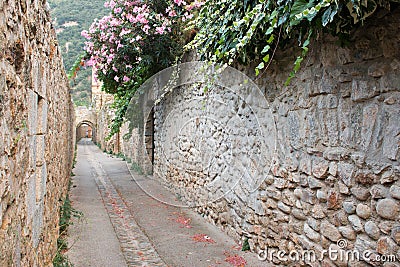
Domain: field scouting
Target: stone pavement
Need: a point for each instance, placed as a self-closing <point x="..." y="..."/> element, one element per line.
<point x="124" y="226"/>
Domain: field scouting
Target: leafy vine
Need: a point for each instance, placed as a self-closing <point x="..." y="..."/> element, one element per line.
<point x="141" y="37"/>
<point x="246" y="31"/>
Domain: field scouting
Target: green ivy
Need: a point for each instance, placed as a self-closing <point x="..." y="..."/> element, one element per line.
<point x="245" y="31"/>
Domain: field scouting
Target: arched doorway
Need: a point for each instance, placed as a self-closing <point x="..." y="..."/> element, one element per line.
<point x="149" y="136"/>
<point x="85" y="129"/>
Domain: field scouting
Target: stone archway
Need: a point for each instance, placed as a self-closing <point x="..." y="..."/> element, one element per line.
<point x="89" y="131"/>
<point x="85" y="118"/>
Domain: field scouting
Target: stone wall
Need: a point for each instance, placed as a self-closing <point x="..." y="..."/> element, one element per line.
<point x="132" y="139"/>
<point x="296" y="167"/>
<point x="332" y="156"/>
<point x="36" y="144"/>
<point x="104" y="119"/>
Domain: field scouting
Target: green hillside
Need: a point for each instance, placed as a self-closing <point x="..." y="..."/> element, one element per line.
<point x="70" y="17"/>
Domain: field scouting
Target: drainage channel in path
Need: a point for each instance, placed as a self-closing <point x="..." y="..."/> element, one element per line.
<point x="135" y="246"/>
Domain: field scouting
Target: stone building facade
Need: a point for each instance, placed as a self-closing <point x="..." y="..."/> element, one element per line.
<point x="310" y="166"/>
<point x="36" y="145"/>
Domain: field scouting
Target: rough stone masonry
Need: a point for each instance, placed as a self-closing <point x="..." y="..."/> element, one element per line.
<point x="335" y="169"/>
<point x="36" y="144"/>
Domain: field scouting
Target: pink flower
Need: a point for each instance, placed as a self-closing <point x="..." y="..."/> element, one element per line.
<point x="126" y="79"/>
<point x="198" y="4"/>
<point x="85" y="34"/>
<point x="118" y="10"/>
<point x="116" y="78"/>
<point x="179" y="2"/>
<point x="131" y="18"/>
<point x="160" y="30"/>
<point x="141" y="18"/>
<point x="110" y="58"/>
<point x="171" y="12"/>
<point x="187" y="16"/>
<point x="146" y="29"/>
<point x="112" y="4"/>
<point x="124" y="32"/>
<point x="115" y="22"/>
<point x="90" y="62"/>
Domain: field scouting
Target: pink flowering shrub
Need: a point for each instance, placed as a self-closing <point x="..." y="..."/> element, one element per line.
<point x="136" y="40"/>
<point x="136" y="37"/>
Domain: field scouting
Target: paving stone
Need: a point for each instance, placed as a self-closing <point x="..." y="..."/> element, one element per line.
<point x="135" y="245"/>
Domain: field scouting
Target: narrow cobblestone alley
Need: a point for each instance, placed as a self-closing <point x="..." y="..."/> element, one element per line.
<point x="138" y="230"/>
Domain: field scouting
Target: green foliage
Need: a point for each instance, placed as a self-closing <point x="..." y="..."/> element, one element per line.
<point x="66" y="213"/>
<point x="83" y="12"/>
<point x="247" y="31"/>
<point x="246" y="245"/>
<point x="60" y="259"/>
<point x="136" y="167"/>
<point x="137" y="40"/>
<point x="121" y="156"/>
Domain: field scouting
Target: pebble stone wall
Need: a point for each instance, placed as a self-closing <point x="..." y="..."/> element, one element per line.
<point x="335" y="170"/>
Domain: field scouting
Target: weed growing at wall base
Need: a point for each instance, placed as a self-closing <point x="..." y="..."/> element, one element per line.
<point x="136" y="167"/>
<point x="66" y="213"/>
